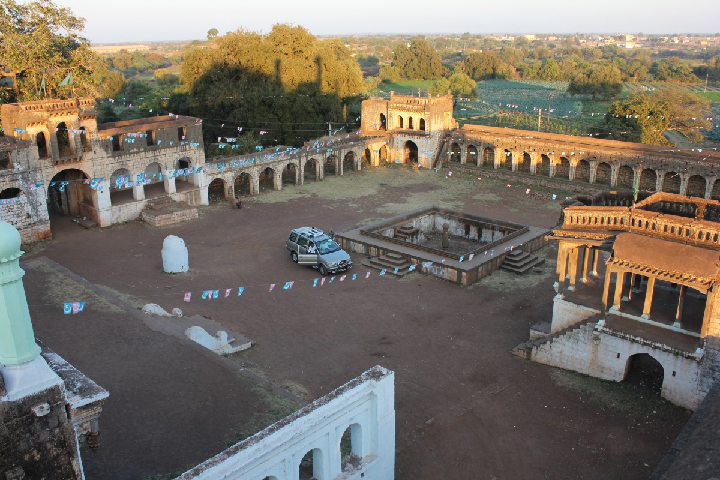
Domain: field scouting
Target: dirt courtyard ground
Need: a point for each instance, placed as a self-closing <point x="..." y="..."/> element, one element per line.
<point x="465" y="407"/>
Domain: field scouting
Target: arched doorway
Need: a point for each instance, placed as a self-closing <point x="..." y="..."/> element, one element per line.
<point x="367" y="157"/>
<point x="455" y="153"/>
<point x="351" y="447"/>
<point x="543" y="168"/>
<point x="643" y="371"/>
<point x="310" y="170"/>
<point x="67" y="193"/>
<point x="488" y="157"/>
<point x="562" y="168"/>
<point x="288" y="174"/>
<point x="603" y="174"/>
<point x="696" y="186"/>
<point x="507" y="160"/>
<point x="383" y="122"/>
<point x="311" y="466"/>
<point x="671" y="183"/>
<point x="183" y="164"/>
<point x="267" y="179"/>
<point x="411" y="152"/>
<point x="582" y="171"/>
<point x="330" y="167"/>
<point x="217" y="191"/>
<point x="154" y="184"/>
<point x="471" y="155"/>
<point x="120" y="192"/>
<point x="349" y="162"/>
<point x="524" y="163"/>
<point x="243" y="185"/>
<point x="63" y="140"/>
<point x="383" y="154"/>
<point x="42" y="145"/>
<point x="625" y="178"/>
<point x="648" y="180"/>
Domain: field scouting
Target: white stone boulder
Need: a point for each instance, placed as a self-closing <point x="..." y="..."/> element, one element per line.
<point x="175" y="255"/>
<point x="219" y="344"/>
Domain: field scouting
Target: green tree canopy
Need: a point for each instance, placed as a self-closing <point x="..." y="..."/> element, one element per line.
<point x="604" y="80"/>
<point x="41" y="40"/>
<point x="484" y="66"/>
<point x="550" y="70"/>
<point x="418" y="61"/>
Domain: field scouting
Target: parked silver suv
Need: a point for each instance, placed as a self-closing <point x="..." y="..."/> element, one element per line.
<point x="311" y="246"/>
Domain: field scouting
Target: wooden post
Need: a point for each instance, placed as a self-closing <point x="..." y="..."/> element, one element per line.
<point x="647" y="307"/>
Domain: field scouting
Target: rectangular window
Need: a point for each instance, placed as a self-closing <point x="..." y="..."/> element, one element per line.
<point x="150" y="137"/>
<point x="293" y="237"/>
<point x="181" y="133"/>
<point x="117" y="142"/>
<point x="5" y="162"/>
<point x="302" y="241"/>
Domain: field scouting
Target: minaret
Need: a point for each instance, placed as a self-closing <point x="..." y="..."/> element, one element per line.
<point x="23" y="370"/>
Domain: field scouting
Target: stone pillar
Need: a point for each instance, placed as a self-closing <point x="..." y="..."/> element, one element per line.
<point x="660" y="176"/>
<point x="619" y="279"/>
<point x="551" y="170"/>
<point x="709" y="187"/>
<point x="584" y="262"/>
<point x="593" y="171"/>
<point x="614" y="170"/>
<point x="339" y="168"/>
<point x="647" y="307"/>
<point x="103" y="205"/>
<point x="301" y="172"/>
<point x="499" y="153"/>
<point x="606" y="291"/>
<point x="596" y="256"/>
<point x="573" y="266"/>
<point x="169" y="183"/>
<point x="627" y="281"/>
<point x="684" y="177"/>
<point x="446" y="236"/>
<point x="571" y="173"/>
<point x="297" y="174"/>
<point x="277" y="179"/>
<point x="681" y="304"/>
<point x="562" y="266"/>
<point x="514" y="159"/>
<point x="23" y="370"/>
<point x="533" y="162"/>
<point x="138" y="192"/>
<point x="255" y="183"/>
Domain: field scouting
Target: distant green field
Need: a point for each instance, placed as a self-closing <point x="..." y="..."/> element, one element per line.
<point x="405" y="87"/>
<point x="714" y="97"/>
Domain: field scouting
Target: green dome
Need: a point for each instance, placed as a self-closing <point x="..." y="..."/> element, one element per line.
<point x="9" y="242"/>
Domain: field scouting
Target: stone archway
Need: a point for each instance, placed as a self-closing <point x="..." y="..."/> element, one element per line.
<point x="383" y="153"/>
<point x="367" y="158"/>
<point x="506" y="160"/>
<point x="120" y="192"/>
<point x="488" y="157"/>
<point x="603" y="174"/>
<point x="65" y="147"/>
<point x="648" y="180"/>
<point x="455" y="153"/>
<point x="562" y="168"/>
<point x="543" y="167"/>
<point x="310" y="172"/>
<point x="331" y="166"/>
<point x="671" y="182"/>
<point x="582" y="171"/>
<point x="696" y="186"/>
<point x="217" y="191"/>
<point x="643" y="371"/>
<point x="67" y="193"/>
<point x="524" y="163"/>
<point x="471" y="155"/>
<point x="411" y="152"/>
<point x="266" y="180"/>
<point x="625" y="177"/>
<point x="289" y="174"/>
<point x="243" y="185"/>
<point x="349" y="162"/>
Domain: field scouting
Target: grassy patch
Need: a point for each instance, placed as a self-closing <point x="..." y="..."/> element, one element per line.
<point x="503" y="281"/>
<point x="404" y="87"/>
<point x="622" y="397"/>
<point x="714" y="97"/>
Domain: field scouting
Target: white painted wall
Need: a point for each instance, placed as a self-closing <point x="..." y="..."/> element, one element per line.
<point x="367" y="401"/>
<point x="567" y="313"/>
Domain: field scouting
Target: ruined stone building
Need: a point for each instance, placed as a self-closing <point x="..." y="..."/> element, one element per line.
<point x="637" y="293"/>
<point x="55" y="158"/>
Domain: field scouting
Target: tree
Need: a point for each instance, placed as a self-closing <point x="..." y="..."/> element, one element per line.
<point x="675" y="70"/>
<point x="484" y="66"/>
<point x="550" y="70"/>
<point x="212" y="33"/>
<point x="639" y="119"/>
<point x="687" y="112"/>
<point x="122" y="61"/>
<point x="418" y="61"/>
<point x="459" y="84"/>
<point x="39" y="41"/>
<point x="605" y="80"/>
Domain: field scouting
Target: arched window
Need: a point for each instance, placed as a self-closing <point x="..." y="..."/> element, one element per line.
<point x="400" y="122"/>
<point x="41" y="145"/>
<point x="422" y="124"/>
<point x="410" y="123"/>
<point x="383" y="122"/>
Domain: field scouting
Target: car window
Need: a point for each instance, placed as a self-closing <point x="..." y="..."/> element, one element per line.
<point x="293" y="237"/>
<point x="302" y="241"/>
<point x="327" y="246"/>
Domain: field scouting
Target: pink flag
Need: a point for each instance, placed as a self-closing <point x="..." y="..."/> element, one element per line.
<point x="187" y="296"/>
<point x="75" y="307"/>
<point x="322" y="281"/>
<point x="342" y="278"/>
<point x="272" y="285"/>
<point x="367" y="275"/>
<point x="227" y="292"/>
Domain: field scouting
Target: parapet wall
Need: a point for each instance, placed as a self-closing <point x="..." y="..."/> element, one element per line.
<point x="366" y="405"/>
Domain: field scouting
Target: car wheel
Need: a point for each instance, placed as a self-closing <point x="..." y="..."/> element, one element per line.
<point x="294" y="257"/>
<point x="322" y="270"/>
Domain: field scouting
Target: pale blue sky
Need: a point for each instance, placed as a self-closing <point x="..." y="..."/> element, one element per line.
<point x="146" y="20"/>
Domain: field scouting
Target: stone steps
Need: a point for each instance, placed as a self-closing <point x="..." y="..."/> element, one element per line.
<point x="162" y="211"/>
<point x="406" y="232"/>
<point x="520" y="262"/>
<point x="525" y="349"/>
<point x="389" y="262"/>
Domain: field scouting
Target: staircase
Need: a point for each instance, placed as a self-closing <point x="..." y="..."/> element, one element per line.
<point x="389" y="262"/>
<point x="440" y="153"/>
<point x="407" y="233"/>
<point x="161" y="211"/>
<point x="520" y="262"/>
<point x="525" y="350"/>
